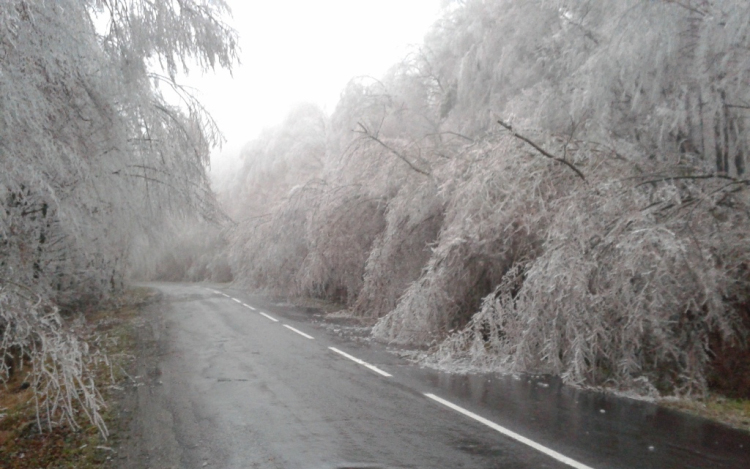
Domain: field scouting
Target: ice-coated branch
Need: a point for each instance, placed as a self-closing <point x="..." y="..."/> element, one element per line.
<point x="542" y="150"/>
<point x="398" y="154"/>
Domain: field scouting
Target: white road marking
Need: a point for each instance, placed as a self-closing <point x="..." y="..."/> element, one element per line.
<point x="522" y="439"/>
<point x="238" y="301"/>
<point x="225" y="295"/>
<point x="248" y="306"/>
<point x="298" y="331"/>
<point x="363" y="363"/>
<point x="269" y="317"/>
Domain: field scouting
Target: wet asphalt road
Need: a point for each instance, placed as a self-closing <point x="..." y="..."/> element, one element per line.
<point x="232" y="381"/>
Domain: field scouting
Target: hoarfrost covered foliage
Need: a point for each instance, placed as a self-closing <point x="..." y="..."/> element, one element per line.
<point x="91" y="153"/>
<point x="543" y="186"/>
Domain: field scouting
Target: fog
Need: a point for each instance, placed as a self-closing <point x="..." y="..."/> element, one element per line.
<point x="300" y="51"/>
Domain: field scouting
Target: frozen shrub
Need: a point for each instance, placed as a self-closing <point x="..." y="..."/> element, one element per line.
<point x="34" y="340"/>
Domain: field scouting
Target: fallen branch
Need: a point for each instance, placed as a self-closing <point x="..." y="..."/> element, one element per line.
<point x="542" y="150"/>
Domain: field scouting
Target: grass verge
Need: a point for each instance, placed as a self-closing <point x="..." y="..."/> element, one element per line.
<point x="732" y="412"/>
<point x="109" y="330"/>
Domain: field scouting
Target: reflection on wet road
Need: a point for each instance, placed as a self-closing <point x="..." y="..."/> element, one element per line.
<point x="238" y="390"/>
<point x="620" y="431"/>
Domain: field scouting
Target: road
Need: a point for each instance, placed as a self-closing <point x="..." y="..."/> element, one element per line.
<point x="229" y="380"/>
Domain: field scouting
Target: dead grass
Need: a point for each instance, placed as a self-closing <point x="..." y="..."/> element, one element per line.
<point x="108" y="330"/>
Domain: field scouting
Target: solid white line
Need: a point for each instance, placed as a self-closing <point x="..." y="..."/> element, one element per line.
<point x="238" y="301"/>
<point x="298" y="332"/>
<point x="248" y="306"/>
<point x="269" y="317"/>
<point x="363" y="363"/>
<point x="522" y="439"/>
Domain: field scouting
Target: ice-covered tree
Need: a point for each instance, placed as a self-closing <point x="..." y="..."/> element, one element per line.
<point x="646" y="99"/>
<point x="92" y="150"/>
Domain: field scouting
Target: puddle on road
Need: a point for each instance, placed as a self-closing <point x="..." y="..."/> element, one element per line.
<point x="635" y="433"/>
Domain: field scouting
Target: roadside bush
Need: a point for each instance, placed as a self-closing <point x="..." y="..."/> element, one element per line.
<point x="35" y="340"/>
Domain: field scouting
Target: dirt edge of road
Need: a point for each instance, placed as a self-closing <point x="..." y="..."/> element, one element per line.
<point x="145" y="424"/>
<point x="110" y="329"/>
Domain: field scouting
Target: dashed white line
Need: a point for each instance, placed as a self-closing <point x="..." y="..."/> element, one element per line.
<point x="511" y="434"/>
<point x="269" y="317"/>
<point x="298" y="331"/>
<point x="361" y="362"/>
<point x="521" y="439"/>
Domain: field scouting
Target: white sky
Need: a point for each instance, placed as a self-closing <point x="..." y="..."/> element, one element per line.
<point x="304" y="50"/>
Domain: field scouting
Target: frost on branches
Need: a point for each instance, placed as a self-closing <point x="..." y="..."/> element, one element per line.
<point x="542" y="186"/>
<point x="91" y="154"/>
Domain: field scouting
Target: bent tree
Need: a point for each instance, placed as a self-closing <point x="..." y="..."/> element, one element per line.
<point x="92" y="151"/>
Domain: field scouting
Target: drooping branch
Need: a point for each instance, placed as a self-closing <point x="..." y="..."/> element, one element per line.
<point x="542" y="150"/>
<point x="403" y="158"/>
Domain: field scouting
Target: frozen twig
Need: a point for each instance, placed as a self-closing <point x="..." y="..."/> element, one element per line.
<point x="398" y="154"/>
<point x="542" y="150"/>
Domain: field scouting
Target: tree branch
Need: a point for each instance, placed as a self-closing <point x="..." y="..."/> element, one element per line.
<point x="403" y="158"/>
<point x="542" y="150"/>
